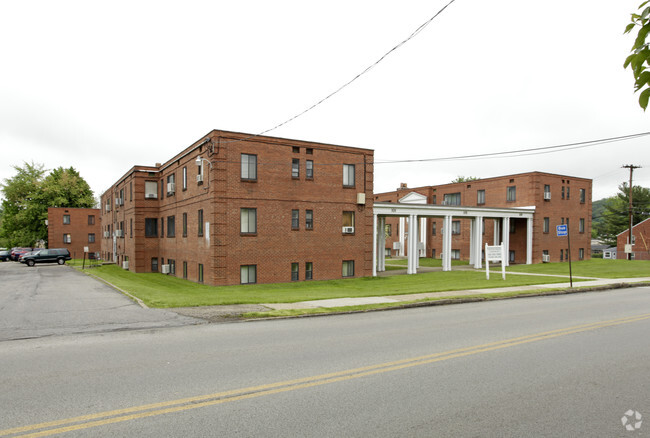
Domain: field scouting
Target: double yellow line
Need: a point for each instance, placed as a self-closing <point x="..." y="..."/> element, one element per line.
<point x="168" y="407"/>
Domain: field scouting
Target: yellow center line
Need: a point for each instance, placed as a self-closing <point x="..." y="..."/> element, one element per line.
<point x="184" y="404"/>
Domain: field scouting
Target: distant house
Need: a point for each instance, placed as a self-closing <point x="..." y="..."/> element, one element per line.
<point x="640" y="241"/>
<point x="609" y="253"/>
<point x="74" y="229"/>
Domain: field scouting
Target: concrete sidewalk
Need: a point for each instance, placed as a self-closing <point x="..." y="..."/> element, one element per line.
<point x="343" y="302"/>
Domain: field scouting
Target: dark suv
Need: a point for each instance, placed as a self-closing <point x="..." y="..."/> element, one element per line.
<point x="47" y="256"/>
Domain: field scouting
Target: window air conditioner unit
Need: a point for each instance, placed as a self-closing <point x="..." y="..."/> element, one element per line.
<point x="397" y="245"/>
<point x="361" y="198"/>
<point x="199" y="178"/>
<point x="125" y="265"/>
<point x="107" y="234"/>
<point x="171" y="188"/>
<point x="547" y="196"/>
<point x="151" y="196"/>
<point x="348" y="230"/>
<point x="546" y="258"/>
<point x="165" y="269"/>
<point x="119" y="233"/>
<point x="108" y="207"/>
<point x="118" y="201"/>
<point x="68" y="239"/>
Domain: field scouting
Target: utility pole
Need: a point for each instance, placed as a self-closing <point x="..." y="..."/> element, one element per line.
<point x="631" y="167"/>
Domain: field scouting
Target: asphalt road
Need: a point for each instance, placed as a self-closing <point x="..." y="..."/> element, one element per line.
<point x="569" y="365"/>
<point x="49" y="299"/>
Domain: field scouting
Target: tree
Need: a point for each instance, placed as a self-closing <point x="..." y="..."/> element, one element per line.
<point x="27" y="196"/>
<point x="615" y="217"/>
<point x="460" y="179"/>
<point x="639" y="60"/>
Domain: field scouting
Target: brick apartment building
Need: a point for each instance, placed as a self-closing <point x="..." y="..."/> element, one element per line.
<point x="640" y="241"/>
<point x="74" y="229"/>
<point x="557" y="199"/>
<point x="235" y="208"/>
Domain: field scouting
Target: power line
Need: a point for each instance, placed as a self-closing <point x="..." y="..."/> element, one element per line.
<point x="524" y="152"/>
<point x="366" y="70"/>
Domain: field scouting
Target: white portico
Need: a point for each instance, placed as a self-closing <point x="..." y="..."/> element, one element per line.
<point x="413" y="210"/>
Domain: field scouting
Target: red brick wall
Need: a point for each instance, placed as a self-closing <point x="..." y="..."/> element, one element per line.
<point x="274" y="194"/>
<point x="78" y="228"/>
<point x="641" y="247"/>
<point x="529" y="192"/>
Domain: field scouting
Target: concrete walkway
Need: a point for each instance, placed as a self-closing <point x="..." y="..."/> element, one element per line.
<point x="343" y="302"/>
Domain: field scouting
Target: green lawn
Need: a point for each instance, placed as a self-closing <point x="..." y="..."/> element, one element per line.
<point x="158" y="290"/>
<point x="590" y="268"/>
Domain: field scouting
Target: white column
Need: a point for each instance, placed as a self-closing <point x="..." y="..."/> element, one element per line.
<point x="497" y="237"/>
<point x="446" y="244"/>
<point x="529" y="241"/>
<point x="374" y="245"/>
<point x="478" y="247"/>
<point x="412" y="250"/>
<point x="506" y="238"/>
<point x="423" y="238"/>
<point x="382" y="244"/>
<point x="402" y="231"/>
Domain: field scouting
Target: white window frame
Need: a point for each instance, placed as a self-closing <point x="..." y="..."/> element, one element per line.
<point x="248" y="221"/>
<point x="349" y="175"/>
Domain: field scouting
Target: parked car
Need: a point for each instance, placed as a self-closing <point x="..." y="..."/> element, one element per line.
<point x="4" y="255"/>
<point x="17" y="252"/>
<point x="54" y="255"/>
<point x="20" y="257"/>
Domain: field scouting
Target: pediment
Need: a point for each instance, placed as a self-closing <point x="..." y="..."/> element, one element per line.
<point x="413" y="198"/>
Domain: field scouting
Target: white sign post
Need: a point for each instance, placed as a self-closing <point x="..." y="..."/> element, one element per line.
<point x="494" y="254"/>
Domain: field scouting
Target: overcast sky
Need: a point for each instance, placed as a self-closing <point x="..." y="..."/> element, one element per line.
<point x="105" y="86"/>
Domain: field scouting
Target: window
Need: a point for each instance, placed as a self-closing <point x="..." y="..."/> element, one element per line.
<point x="581" y="254"/>
<point x="67" y="238"/>
<point x="108" y="204"/>
<point x="171" y="184"/>
<point x="348" y="222"/>
<point x="185" y="270"/>
<point x="451" y="199"/>
<point x="172" y="266"/>
<point x="162" y="189"/>
<point x="433" y="253"/>
<point x="309" y="169"/>
<point x="154" y="264"/>
<point x="295" y="149"/>
<point x="547" y="192"/>
<point x="162" y="227"/>
<point x="547" y="224"/>
<point x="249" y="167"/>
<point x="562" y="192"/>
<point x="184" y="224"/>
<point x="295" y="219"/>
<point x="295" y="273"/>
<point x="433" y="228"/>
<point x="151" y="227"/>
<point x="91" y="237"/>
<point x="561" y="255"/>
<point x="348" y="175"/>
<point x="309" y="151"/>
<point x="248" y="220"/>
<point x="581" y="225"/>
<point x="455" y="254"/>
<point x="150" y="190"/>
<point x="388" y="230"/>
<point x="512" y="226"/>
<point x="200" y="224"/>
<point x="480" y="197"/>
<point x="348" y="268"/>
<point x="309" y="271"/>
<point x="568" y="192"/>
<point x="185" y="180"/>
<point x="66" y="219"/>
<point x="295" y="168"/>
<point x="511" y="256"/>
<point x="130" y="191"/>
<point x="583" y="195"/>
<point x="131" y="229"/>
<point x="435" y="197"/>
<point x="455" y="227"/>
<point x="171" y="226"/>
<point x="309" y="219"/>
<point x="248" y="274"/>
<point x="200" y="273"/>
<point x="91" y="219"/>
<point x="511" y="194"/>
